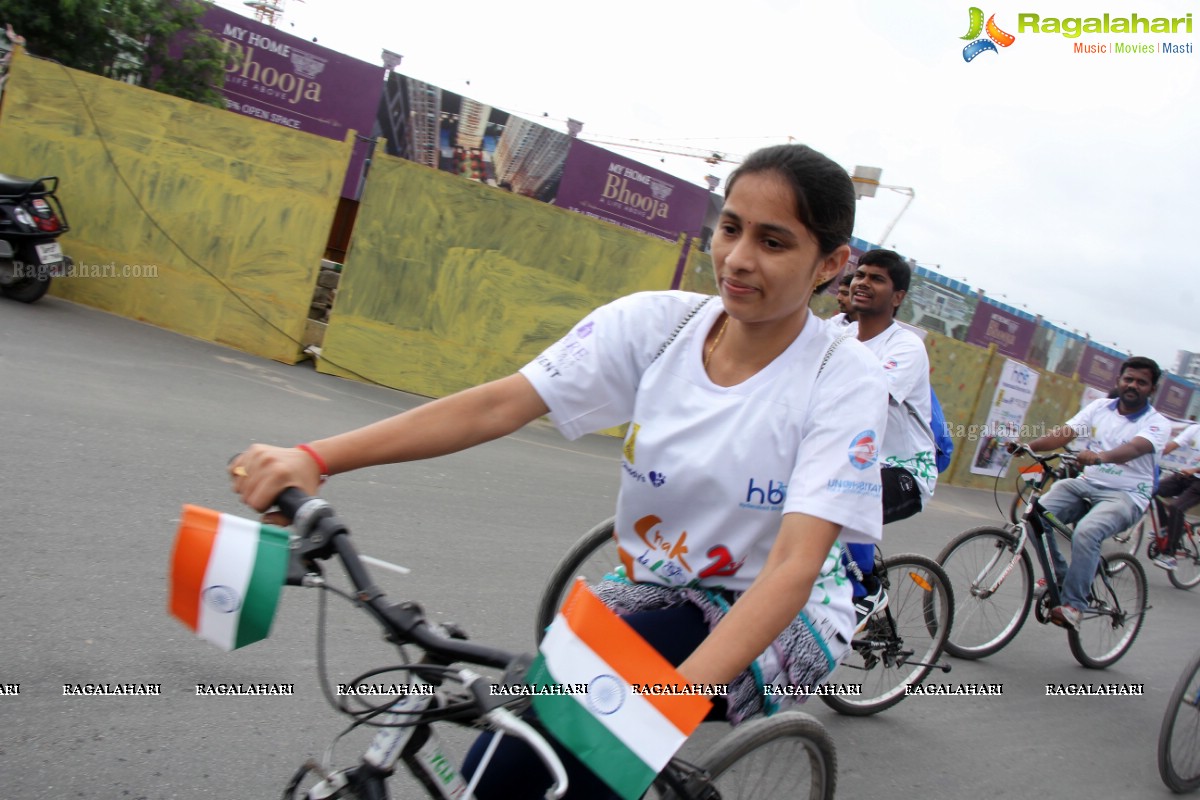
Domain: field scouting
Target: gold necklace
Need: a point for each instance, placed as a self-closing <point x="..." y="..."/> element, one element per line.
<point x="716" y="341"/>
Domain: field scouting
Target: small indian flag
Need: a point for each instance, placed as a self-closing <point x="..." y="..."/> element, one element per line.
<point x="1033" y="473"/>
<point x="623" y="736"/>
<point x="226" y="576"/>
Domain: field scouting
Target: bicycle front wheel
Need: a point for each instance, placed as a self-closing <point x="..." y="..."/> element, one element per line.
<point x="988" y="615"/>
<point x="1179" y="737"/>
<point x="773" y="757"/>
<point x="1114" y="616"/>
<point x="1187" y="573"/>
<point x="592" y="557"/>
<point x="900" y="644"/>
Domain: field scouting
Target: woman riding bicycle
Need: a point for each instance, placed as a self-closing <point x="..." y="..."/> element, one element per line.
<point x="751" y="448"/>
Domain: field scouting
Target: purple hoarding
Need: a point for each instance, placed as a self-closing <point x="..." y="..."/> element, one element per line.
<point x="1099" y="369"/>
<point x="283" y="79"/>
<point x="1173" y="398"/>
<point x="606" y="186"/>
<point x="992" y="325"/>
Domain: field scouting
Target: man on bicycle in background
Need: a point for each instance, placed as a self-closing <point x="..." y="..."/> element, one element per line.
<point x="1127" y="435"/>
<point x="1184" y="486"/>
<point x="906" y="453"/>
<point x="846" y="313"/>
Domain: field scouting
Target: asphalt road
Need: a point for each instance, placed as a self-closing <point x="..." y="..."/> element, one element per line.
<point x="110" y="425"/>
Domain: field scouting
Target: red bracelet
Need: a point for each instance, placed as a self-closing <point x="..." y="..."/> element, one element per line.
<point x="317" y="458"/>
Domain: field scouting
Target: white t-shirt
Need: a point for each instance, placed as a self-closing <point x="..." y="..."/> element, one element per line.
<point x="1107" y="428"/>
<point x="908" y="441"/>
<point x="1189" y="440"/>
<point x="708" y="471"/>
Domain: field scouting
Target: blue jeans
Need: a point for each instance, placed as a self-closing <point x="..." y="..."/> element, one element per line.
<point x="1111" y="511"/>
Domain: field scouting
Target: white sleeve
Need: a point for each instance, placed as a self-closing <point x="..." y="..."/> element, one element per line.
<point x="589" y="378"/>
<point x="1157" y="430"/>
<point x="906" y="366"/>
<point x="1190" y="437"/>
<point x="836" y="476"/>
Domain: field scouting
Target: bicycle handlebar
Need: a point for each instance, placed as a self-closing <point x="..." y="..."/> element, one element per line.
<point x="1064" y="458"/>
<point x="323" y="535"/>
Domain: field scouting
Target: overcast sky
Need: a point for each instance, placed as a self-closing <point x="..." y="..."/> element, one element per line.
<point x="1059" y="182"/>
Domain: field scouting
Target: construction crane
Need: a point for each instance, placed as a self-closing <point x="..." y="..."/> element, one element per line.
<point x="268" y="11"/>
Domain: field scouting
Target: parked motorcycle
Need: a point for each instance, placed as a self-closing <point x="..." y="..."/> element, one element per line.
<point x="31" y="220"/>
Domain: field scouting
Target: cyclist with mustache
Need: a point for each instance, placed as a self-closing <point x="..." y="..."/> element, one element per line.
<point x="1127" y="436"/>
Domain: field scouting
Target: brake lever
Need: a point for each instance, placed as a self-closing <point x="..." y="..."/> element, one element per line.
<point x="299" y="568"/>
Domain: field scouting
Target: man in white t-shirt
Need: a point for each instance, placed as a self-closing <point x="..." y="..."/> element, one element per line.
<point x="908" y="469"/>
<point x="1184" y="487"/>
<point x="846" y="313"/>
<point x="1127" y="436"/>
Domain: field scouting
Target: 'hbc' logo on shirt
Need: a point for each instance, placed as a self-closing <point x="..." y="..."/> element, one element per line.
<point x="765" y="498"/>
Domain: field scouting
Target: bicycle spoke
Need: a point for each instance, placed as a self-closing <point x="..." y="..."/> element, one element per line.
<point x="899" y="644"/>
<point x="789" y="755"/>
<point x="1114" y="617"/>
<point x="985" y="619"/>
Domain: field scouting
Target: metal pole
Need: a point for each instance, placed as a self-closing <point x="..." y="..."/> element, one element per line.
<point x="902" y="190"/>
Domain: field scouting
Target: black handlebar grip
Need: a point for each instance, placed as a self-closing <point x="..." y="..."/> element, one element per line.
<point x="290" y="500"/>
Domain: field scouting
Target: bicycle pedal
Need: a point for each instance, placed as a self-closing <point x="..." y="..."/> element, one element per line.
<point x="1041" y="606"/>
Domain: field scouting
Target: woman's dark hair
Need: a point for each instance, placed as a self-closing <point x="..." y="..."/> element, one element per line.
<point x="824" y="193"/>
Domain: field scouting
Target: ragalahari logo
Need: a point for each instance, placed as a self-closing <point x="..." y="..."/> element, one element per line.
<point x="994" y="37"/>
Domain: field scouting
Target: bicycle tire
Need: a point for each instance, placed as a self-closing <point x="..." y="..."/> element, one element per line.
<point x="1102" y="639"/>
<point x="592" y="556"/>
<point x="1187" y="556"/>
<point x="1179" y="736"/>
<point x="915" y="623"/>
<point x="772" y="757"/>
<point x="985" y="625"/>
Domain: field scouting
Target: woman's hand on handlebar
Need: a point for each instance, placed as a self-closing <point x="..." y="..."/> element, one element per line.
<point x="261" y="472"/>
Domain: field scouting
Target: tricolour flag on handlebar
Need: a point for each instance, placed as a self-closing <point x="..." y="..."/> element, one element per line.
<point x="625" y="736"/>
<point x="226" y="576"/>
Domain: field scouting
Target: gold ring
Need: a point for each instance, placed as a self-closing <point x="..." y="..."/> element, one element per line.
<point x="240" y="472"/>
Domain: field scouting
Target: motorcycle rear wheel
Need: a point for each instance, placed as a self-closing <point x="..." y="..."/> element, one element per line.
<point x="26" y="290"/>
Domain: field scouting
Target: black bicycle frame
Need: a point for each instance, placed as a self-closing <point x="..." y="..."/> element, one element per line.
<point x="1035" y="518"/>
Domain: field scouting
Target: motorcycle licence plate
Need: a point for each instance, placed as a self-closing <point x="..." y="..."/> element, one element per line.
<point x="50" y="253"/>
